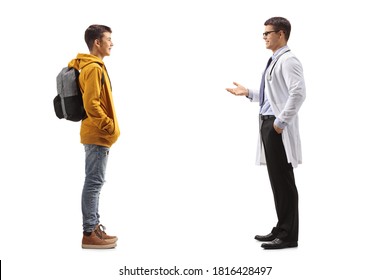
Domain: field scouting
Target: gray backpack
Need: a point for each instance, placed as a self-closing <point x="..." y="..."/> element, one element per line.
<point x="68" y="104"/>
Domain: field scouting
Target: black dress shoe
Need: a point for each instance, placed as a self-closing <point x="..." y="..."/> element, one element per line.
<point x="268" y="237"/>
<point x="279" y="244"/>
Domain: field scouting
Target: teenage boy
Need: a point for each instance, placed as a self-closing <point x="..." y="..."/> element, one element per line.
<point x="99" y="131"/>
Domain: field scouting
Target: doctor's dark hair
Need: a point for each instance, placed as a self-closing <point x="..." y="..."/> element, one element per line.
<point x="94" y="32"/>
<point x="280" y="23"/>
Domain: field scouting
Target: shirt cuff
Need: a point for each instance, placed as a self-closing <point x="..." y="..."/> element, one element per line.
<point x="280" y="123"/>
<point x="250" y="94"/>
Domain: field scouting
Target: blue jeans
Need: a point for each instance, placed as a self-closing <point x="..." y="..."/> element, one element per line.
<point x="95" y="168"/>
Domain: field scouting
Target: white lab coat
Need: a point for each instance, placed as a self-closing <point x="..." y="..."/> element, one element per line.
<point x="285" y="90"/>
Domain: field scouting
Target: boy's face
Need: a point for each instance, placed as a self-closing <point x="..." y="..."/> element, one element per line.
<point x="104" y="45"/>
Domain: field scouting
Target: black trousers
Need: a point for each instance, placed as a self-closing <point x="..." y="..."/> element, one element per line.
<point x="281" y="175"/>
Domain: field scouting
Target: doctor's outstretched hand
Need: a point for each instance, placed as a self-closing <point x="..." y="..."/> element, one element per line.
<point x="239" y="90"/>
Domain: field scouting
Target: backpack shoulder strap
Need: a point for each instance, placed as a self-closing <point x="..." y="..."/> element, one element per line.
<point x="102" y="78"/>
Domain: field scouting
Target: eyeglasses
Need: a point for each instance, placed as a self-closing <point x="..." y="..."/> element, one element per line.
<point x="265" y="34"/>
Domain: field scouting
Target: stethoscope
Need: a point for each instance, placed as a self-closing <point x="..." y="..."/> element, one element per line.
<point x="273" y="66"/>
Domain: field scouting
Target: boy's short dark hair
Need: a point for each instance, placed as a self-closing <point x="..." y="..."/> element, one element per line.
<point x="94" y="32"/>
<point x="280" y="23"/>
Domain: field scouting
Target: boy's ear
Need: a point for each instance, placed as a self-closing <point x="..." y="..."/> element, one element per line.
<point x="97" y="42"/>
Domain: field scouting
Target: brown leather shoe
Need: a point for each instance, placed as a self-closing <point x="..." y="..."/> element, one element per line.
<point x="105" y="235"/>
<point x="96" y="240"/>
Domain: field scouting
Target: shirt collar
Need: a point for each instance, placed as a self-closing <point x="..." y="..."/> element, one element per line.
<point x="279" y="51"/>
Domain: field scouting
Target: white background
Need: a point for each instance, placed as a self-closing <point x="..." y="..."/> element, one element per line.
<point x="182" y="188"/>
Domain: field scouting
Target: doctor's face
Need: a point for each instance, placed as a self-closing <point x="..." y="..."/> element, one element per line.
<point x="273" y="38"/>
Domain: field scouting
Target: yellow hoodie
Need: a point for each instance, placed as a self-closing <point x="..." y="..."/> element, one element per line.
<point x="100" y="127"/>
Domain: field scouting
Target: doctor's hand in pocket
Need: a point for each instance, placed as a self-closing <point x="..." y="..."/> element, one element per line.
<point x="278" y="129"/>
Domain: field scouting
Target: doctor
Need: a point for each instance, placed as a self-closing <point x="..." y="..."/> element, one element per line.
<point x="281" y="94"/>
